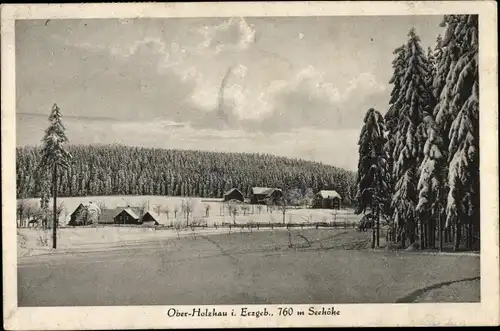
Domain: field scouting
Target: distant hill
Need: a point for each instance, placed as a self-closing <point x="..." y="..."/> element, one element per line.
<point x="124" y="170"/>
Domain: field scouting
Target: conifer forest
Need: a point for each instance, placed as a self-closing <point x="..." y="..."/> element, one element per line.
<point x="419" y="164"/>
<point x="123" y="170"/>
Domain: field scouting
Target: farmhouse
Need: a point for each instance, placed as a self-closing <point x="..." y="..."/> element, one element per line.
<point x="234" y="194"/>
<point x="150" y="218"/>
<point x="127" y="216"/>
<point x="121" y="215"/>
<point x="263" y="195"/>
<point x="78" y="216"/>
<point x="84" y="214"/>
<point x="107" y="215"/>
<point x="327" y="200"/>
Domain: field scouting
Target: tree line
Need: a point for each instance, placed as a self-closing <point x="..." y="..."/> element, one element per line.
<point x="419" y="164"/>
<point x="123" y="170"/>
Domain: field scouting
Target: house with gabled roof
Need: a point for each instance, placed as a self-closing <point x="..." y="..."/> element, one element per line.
<point x="233" y="194"/>
<point x="78" y="216"/>
<point x="84" y="214"/>
<point x="327" y="199"/>
<point x="264" y="195"/>
<point x="128" y="215"/>
<point x="150" y="218"/>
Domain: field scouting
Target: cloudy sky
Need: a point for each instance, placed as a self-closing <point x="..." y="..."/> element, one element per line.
<point x="294" y="87"/>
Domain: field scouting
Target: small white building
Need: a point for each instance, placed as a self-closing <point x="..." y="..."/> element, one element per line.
<point x="327" y="199"/>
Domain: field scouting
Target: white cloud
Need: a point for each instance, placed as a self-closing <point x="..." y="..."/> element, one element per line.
<point x="240" y="71"/>
<point x="234" y="33"/>
<point x="205" y="94"/>
<point x="153" y="45"/>
<point x="307" y="80"/>
<point x="365" y="81"/>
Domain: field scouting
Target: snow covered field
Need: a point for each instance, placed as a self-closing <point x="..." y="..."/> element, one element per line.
<point x="217" y="213"/>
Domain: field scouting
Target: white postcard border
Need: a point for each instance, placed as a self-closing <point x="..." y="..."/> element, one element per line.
<point x="134" y="317"/>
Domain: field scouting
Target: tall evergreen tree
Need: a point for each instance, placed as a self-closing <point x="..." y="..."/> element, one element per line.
<point x="392" y="115"/>
<point x="411" y="104"/>
<point x="372" y="183"/>
<point x="432" y="169"/>
<point x="432" y="182"/>
<point x="463" y="151"/>
<point x="54" y="156"/>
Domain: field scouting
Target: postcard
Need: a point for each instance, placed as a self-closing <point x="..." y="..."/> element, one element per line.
<point x="249" y="164"/>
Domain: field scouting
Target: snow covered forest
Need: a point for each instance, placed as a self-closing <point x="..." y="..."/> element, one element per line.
<point x="124" y="170"/>
<point x="419" y="164"/>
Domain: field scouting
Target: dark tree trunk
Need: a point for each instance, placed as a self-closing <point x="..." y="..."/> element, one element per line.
<point x="425" y="234"/>
<point x="412" y="232"/>
<point x="440" y="231"/>
<point x="433" y="234"/>
<point x="457" y="237"/>
<point x="477" y="232"/>
<point x="373" y="236"/>
<point x="421" y="234"/>
<point x="395" y="234"/>
<point x="54" y="226"/>
<point x="378" y="230"/>
<point x="469" y="236"/>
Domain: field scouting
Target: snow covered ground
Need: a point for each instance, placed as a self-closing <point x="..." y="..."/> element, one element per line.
<point x="217" y="213"/>
<point x="39" y="241"/>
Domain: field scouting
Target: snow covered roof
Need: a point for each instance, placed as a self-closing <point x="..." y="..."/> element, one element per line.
<point x="160" y="218"/>
<point x="154" y="215"/>
<point x="231" y="190"/>
<point x="325" y="194"/>
<point x="260" y="190"/>
<point x="264" y="190"/>
<point x="80" y="206"/>
<point x="129" y="211"/>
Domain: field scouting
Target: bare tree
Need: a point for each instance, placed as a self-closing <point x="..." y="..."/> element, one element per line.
<point x="37" y="215"/>
<point x="28" y="212"/>
<point x="166" y="210"/>
<point x="101" y="204"/>
<point x="290" y="198"/>
<point x="233" y="209"/>
<point x="61" y="210"/>
<point x="20" y="212"/>
<point x="269" y="205"/>
<point x="183" y="207"/>
<point x="158" y="209"/>
<point x="188" y="207"/>
<point x="143" y="208"/>
<point x="309" y="197"/>
<point x="178" y="227"/>
<point x="176" y="210"/>
<point x="245" y="209"/>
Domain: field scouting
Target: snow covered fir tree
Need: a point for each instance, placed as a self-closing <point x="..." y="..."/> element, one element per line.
<point x="53" y="157"/>
<point x="373" y="188"/>
<point x="431" y="142"/>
